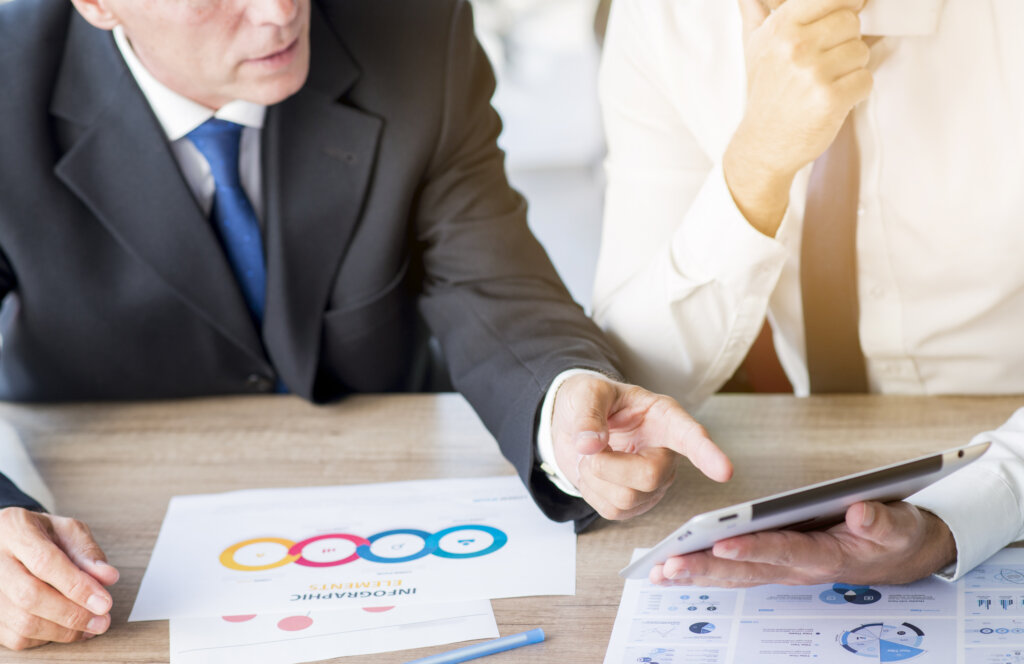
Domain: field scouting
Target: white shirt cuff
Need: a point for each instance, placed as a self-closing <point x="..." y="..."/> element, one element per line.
<point x="545" y="441"/>
<point x="981" y="503"/>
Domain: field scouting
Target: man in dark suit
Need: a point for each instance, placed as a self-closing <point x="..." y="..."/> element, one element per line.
<point x="242" y="196"/>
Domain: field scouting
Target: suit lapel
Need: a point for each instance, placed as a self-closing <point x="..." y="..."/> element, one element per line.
<point x="318" y="156"/>
<point x="122" y="168"/>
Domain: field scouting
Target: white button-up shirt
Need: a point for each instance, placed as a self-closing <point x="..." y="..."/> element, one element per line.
<point x="684" y="282"/>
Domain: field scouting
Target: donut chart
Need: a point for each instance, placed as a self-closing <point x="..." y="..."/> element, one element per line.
<point x="883" y="642"/>
<point x="842" y="593"/>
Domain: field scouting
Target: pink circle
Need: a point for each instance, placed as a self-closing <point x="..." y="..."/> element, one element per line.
<point x="377" y="609"/>
<point x="294" y="623"/>
<point x="237" y="619"/>
<point x="297" y="548"/>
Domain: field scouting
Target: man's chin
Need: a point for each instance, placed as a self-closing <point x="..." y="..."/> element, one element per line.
<point x="274" y="92"/>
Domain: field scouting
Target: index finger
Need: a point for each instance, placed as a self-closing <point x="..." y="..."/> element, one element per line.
<point x="782" y="548"/>
<point x="683" y="434"/>
<point x="47" y="562"/>
<point x="809" y="11"/>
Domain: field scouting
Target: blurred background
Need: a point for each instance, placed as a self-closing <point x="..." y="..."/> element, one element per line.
<point x="545" y="54"/>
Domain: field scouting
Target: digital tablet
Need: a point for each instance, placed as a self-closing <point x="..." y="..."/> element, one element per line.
<point x="810" y="508"/>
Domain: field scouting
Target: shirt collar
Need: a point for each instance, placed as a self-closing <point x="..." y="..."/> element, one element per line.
<point x="900" y="18"/>
<point x="177" y="114"/>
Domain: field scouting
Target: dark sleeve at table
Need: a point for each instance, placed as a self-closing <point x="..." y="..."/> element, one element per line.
<point x="12" y="496"/>
<point x="505" y="321"/>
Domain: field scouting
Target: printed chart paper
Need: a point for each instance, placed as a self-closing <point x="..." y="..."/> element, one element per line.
<point x="297" y="550"/>
<point x="290" y="638"/>
<point x="978" y="620"/>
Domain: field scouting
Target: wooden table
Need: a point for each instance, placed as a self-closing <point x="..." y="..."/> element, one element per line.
<point x="115" y="466"/>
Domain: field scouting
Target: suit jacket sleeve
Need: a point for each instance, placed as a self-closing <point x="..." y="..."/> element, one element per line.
<point x="505" y="322"/>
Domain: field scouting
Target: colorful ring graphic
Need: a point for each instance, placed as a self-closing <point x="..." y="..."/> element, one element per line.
<point x="297" y="549"/>
<point x="366" y="554"/>
<point x="500" y="539"/>
<point x="227" y="559"/>
<point x="431" y="545"/>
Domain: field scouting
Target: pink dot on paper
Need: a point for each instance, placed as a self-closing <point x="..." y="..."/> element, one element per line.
<point x="377" y="609"/>
<point x="237" y="619"/>
<point x="294" y="623"/>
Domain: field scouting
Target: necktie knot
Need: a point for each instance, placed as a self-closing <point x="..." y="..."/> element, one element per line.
<point x="219" y="140"/>
<point x="232" y="215"/>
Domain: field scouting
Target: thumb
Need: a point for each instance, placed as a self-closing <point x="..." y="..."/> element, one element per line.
<point x="590" y="400"/>
<point x="754" y="14"/>
<point x="875" y="522"/>
<point x="75" y="538"/>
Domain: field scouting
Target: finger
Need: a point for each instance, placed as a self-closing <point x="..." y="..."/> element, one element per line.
<point x="854" y="87"/>
<point x="784" y="548"/>
<point x="754" y="15"/>
<point x="615" y="502"/>
<point x="648" y="470"/>
<point x="48" y="562"/>
<point x="704" y="569"/>
<point x="809" y="11"/>
<point x="587" y="400"/>
<point x="834" y="29"/>
<point x="682" y="434"/>
<point x="24" y="593"/>
<point x="76" y="539"/>
<point x="12" y="641"/>
<point x="30" y="626"/>
<point x="844" y="59"/>
<point x="890" y="527"/>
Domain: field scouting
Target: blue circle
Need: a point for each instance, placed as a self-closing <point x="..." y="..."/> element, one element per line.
<point x="434" y="543"/>
<point x="428" y="546"/>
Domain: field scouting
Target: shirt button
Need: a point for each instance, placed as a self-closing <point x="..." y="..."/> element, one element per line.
<point x="861" y="211"/>
<point x="877" y="291"/>
<point x="258" y="383"/>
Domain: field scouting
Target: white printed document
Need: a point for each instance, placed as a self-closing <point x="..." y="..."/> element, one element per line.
<point x="978" y="620"/>
<point x="290" y="638"/>
<point x="298" y="550"/>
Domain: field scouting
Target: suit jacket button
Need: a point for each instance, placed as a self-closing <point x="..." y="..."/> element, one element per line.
<point x="258" y="383"/>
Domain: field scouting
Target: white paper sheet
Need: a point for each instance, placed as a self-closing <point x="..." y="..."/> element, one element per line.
<point x="978" y="620"/>
<point x="295" y="550"/>
<point x="323" y="634"/>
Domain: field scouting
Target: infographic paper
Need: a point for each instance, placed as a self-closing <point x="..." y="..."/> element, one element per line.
<point x="316" y="635"/>
<point x="978" y="620"/>
<point x="296" y="550"/>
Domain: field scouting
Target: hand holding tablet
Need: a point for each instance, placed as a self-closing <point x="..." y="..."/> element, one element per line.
<point x="876" y="542"/>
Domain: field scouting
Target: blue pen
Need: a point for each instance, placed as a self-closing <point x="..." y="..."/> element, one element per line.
<point x="481" y="649"/>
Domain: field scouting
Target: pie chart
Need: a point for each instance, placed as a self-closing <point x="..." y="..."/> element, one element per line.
<point x="883" y="642"/>
<point x="702" y="628"/>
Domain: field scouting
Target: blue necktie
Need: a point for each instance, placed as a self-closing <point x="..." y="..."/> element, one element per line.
<point x="233" y="217"/>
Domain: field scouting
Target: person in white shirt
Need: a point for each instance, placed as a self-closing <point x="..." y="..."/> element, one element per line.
<point x="717" y="113"/>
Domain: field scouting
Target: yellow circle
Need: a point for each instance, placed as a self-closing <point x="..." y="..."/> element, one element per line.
<point x="227" y="559"/>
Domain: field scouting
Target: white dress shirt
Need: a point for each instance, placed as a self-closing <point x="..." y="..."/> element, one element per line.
<point x="178" y="115"/>
<point x="684" y="282"/>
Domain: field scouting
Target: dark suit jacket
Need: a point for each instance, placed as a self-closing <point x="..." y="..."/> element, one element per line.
<point x="386" y="203"/>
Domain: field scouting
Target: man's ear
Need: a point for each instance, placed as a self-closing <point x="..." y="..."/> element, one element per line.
<point x="97" y="12"/>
